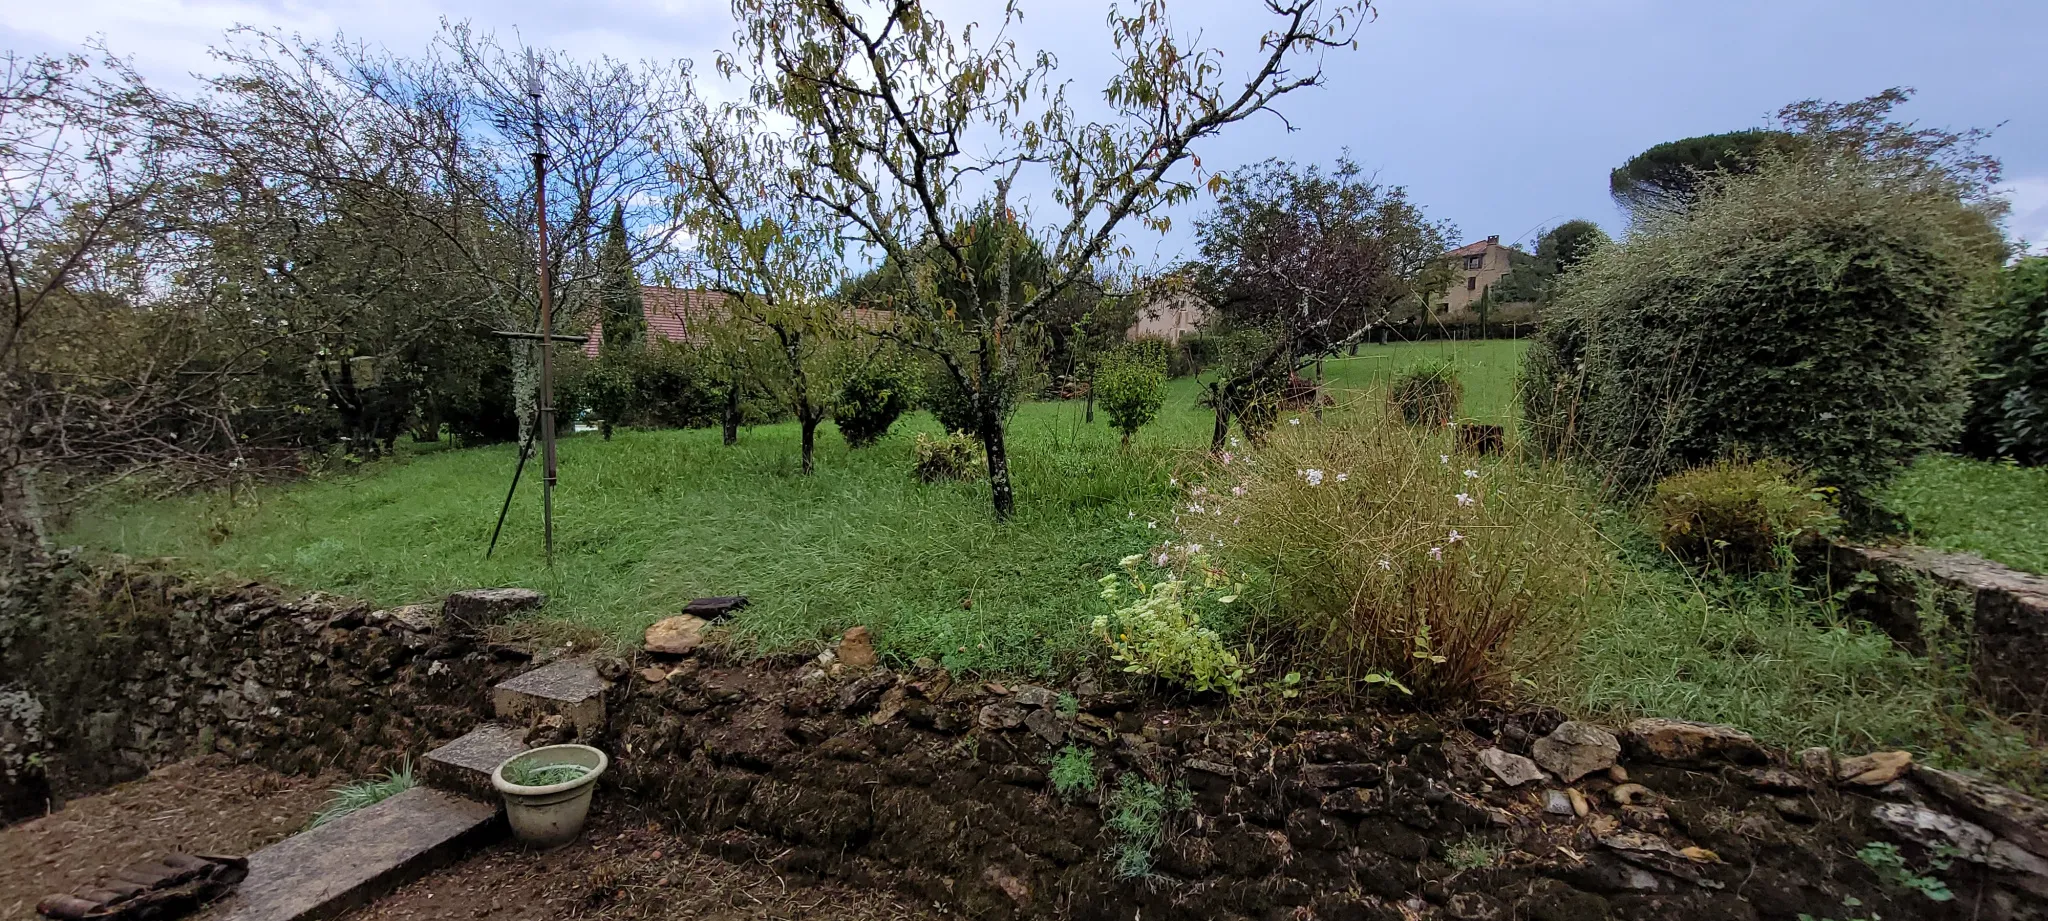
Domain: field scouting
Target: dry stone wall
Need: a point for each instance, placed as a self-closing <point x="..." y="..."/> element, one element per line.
<point x="105" y="674"/>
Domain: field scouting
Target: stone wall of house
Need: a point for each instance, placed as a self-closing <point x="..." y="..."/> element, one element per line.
<point x="105" y="674"/>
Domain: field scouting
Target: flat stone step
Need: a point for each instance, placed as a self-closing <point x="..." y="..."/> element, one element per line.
<point x="322" y="872"/>
<point x="465" y="764"/>
<point x="569" y="687"/>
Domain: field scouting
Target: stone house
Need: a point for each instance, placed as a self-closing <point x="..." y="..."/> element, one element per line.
<point x="1170" y="316"/>
<point x="1479" y="267"/>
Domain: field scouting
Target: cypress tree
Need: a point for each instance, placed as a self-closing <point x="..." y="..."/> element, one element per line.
<point x="624" y="323"/>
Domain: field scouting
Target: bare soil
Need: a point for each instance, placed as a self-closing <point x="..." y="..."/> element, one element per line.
<point x="202" y="806"/>
<point x="625" y="867"/>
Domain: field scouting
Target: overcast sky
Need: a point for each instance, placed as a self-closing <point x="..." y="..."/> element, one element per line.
<point x="1503" y="117"/>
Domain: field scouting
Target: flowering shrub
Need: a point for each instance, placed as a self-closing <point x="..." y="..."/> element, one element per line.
<point x="952" y="457"/>
<point x="1381" y="557"/>
<point x="1738" y="516"/>
<point x="1156" y="630"/>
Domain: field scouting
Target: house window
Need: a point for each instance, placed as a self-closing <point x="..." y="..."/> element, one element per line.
<point x="1471" y="284"/>
<point x="1474" y="262"/>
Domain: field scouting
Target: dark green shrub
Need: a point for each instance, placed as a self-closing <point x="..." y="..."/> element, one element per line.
<point x="949" y="404"/>
<point x="1427" y="394"/>
<point x="610" y="389"/>
<point x="1130" y="387"/>
<point x="1737" y="516"/>
<point x="871" y="399"/>
<point x="949" y="457"/>
<point x="2009" y="402"/>
<point x="1815" y="312"/>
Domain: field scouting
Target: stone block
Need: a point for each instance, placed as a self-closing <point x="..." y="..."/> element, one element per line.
<point x="345" y="863"/>
<point x="569" y="688"/>
<point x="465" y="764"/>
<point x="478" y="609"/>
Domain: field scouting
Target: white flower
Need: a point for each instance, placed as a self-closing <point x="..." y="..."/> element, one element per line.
<point x="1436" y="553"/>
<point x="1464" y="499"/>
<point x="1443" y="458"/>
<point x="1151" y="524"/>
<point x="1194" y="548"/>
<point x="1174" y="480"/>
<point x="1294" y="421"/>
<point x="1471" y="474"/>
<point x="1237" y="490"/>
<point x="1233" y="441"/>
<point x="1342" y="477"/>
<point x="1826" y="416"/>
<point x="1455" y="536"/>
<point x="1130" y="514"/>
<point x="1386" y="563"/>
<point x="1195" y="508"/>
<point x="1313" y="475"/>
<point x="1450" y="425"/>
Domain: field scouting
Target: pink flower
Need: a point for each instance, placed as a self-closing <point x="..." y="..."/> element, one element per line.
<point x="1161" y="559"/>
<point x="1464" y="499"/>
<point x="1455" y="536"/>
<point x="1237" y="490"/>
<point x="1436" y="553"/>
<point x="1226" y="458"/>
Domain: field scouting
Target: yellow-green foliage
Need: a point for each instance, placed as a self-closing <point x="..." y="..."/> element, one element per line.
<point x="1735" y="516"/>
<point x="948" y="457"/>
<point x="1157" y="631"/>
<point x="1380" y="551"/>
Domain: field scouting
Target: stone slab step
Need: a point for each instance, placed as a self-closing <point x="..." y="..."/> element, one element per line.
<point x="322" y="872"/>
<point x="465" y="764"/>
<point x="570" y="688"/>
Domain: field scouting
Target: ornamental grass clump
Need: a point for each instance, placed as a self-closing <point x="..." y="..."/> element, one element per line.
<point x="1380" y="556"/>
<point x="1427" y="394"/>
<point x="1739" y="516"/>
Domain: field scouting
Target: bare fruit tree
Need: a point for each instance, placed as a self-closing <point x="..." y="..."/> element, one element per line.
<point x="920" y="140"/>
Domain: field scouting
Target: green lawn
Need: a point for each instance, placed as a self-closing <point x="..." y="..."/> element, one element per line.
<point x="654" y="518"/>
<point x="650" y="519"/>
<point x="1997" y="511"/>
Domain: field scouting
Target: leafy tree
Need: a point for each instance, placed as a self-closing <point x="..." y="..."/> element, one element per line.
<point x="872" y="396"/>
<point x="623" y="316"/>
<point x="2009" y="405"/>
<point x="1131" y="386"/>
<point x="1666" y="178"/>
<point x="913" y="136"/>
<point x="1563" y="247"/>
<point x="774" y="255"/>
<point x="1315" y="260"/>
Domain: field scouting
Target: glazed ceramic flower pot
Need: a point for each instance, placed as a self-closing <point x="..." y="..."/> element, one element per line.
<point x="552" y="814"/>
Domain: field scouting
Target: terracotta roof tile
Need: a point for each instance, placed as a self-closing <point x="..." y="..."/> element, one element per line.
<point x="680" y="315"/>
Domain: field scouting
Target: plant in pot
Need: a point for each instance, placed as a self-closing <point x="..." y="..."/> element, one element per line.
<point x="547" y="791"/>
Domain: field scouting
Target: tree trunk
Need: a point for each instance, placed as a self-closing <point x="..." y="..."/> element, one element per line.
<point x="1219" y="394"/>
<point x="731" y="416"/>
<point x="810" y="426"/>
<point x="992" y="443"/>
<point x="604" y="427"/>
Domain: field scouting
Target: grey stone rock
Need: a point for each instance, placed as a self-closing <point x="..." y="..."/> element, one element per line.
<point x="476" y="609"/>
<point x="1046" y="726"/>
<point x="351" y="860"/>
<point x="2011" y="814"/>
<point x="1509" y="768"/>
<point x="1966" y="840"/>
<point x="1686" y="742"/>
<point x="1000" y="715"/>
<point x="1556" y="802"/>
<point x="567" y="687"/>
<point x="1575" y="749"/>
<point x="1033" y="696"/>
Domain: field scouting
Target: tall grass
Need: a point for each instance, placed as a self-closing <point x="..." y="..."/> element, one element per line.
<point x="1378" y="549"/>
<point x="1778" y="660"/>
